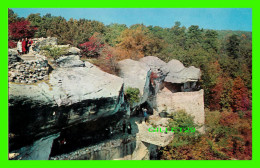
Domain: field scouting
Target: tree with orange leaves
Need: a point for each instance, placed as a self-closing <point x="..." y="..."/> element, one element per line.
<point x="240" y="100"/>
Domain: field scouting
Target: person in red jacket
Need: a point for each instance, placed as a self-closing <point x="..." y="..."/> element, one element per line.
<point x="24" y="46"/>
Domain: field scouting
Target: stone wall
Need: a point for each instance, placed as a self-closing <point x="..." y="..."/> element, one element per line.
<point x="191" y="102"/>
<point x="28" y="72"/>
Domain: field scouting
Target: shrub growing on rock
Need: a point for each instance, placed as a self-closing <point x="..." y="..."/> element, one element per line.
<point x="180" y="119"/>
<point x="54" y="52"/>
<point x="132" y="95"/>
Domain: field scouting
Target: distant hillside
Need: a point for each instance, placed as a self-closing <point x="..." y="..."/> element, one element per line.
<point x="226" y="33"/>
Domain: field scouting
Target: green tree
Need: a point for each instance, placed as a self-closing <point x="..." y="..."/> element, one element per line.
<point x="35" y="19"/>
<point x="210" y="41"/>
<point x="113" y="32"/>
<point x="233" y="46"/>
<point x="194" y="36"/>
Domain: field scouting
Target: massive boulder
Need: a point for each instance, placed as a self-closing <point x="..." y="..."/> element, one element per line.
<point x="136" y="75"/>
<point x="70" y="61"/>
<point x="71" y="96"/>
<point x="158" y="68"/>
<point x="180" y="74"/>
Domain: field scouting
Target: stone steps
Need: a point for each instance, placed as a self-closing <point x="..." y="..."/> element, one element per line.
<point x="29" y="57"/>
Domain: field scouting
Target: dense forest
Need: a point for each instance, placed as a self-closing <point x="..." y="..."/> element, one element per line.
<point x="224" y="57"/>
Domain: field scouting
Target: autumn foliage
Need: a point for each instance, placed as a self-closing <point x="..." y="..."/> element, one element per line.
<point x="93" y="47"/>
<point x="240" y="100"/>
<point x="20" y="29"/>
<point x="228" y="136"/>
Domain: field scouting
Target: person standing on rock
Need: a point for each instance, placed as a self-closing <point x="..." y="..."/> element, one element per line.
<point x="145" y="114"/>
<point x="30" y="43"/>
<point x="19" y="47"/>
<point x="23" y="46"/>
<point x="26" y="46"/>
<point x="124" y="126"/>
<point x="129" y="128"/>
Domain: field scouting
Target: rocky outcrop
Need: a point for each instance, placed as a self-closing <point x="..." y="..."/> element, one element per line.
<point x="80" y="101"/>
<point x="136" y="75"/>
<point x="179" y="74"/>
<point x="70" y="61"/>
<point x="71" y="96"/>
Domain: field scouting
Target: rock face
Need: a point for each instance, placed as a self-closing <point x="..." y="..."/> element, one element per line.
<point x="108" y="150"/>
<point x="70" y="61"/>
<point x="40" y="150"/>
<point x="13" y="56"/>
<point x="179" y="74"/>
<point x="191" y="102"/>
<point x="72" y="95"/>
<point x="74" y="85"/>
<point x="136" y="75"/>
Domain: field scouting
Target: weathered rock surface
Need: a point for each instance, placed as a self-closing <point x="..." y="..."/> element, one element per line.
<point x="70" y="61"/>
<point x="136" y="75"/>
<point x="179" y="74"/>
<point x="13" y="56"/>
<point x="155" y="63"/>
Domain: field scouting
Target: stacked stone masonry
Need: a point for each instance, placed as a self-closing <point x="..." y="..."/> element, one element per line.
<point x="28" y="72"/>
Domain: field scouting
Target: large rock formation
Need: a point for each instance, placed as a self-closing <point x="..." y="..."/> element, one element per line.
<point x="79" y="101"/>
<point x="179" y="74"/>
<point x="71" y="96"/>
<point x="136" y="75"/>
